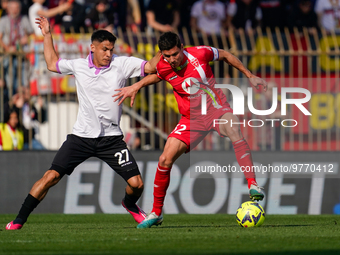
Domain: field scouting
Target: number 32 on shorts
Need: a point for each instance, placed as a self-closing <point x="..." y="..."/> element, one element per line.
<point x="179" y="128"/>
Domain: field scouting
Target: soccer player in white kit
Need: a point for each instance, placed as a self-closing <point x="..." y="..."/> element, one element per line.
<point x="96" y="132"/>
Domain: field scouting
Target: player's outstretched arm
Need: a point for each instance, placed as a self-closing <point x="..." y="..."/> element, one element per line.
<point x="150" y="66"/>
<point x="235" y="62"/>
<point x="50" y="54"/>
<point x="132" y="90"/>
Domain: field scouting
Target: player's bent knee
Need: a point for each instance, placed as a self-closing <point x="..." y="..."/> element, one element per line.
<point x="234" y="133"/>
<point x="136" y="183"/>
<point x="164" y="161"/>
<point x="51" y="178"/>
<point x="140" y="186"/>
<point x="161" y="159"/>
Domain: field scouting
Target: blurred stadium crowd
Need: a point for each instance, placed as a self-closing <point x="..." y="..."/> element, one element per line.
<point x="165" y="15"/>
<point x="238" y="25"/>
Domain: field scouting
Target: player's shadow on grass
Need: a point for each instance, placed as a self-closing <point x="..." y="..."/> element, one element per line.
<point x="287" y="226"/>
<point x="192" y="226"/>
<point x="235" y="226"/>
<point x="298" y="252"/>
<point x="230" y="226"/>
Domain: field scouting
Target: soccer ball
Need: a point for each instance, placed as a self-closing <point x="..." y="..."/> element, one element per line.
<point x="250" y="214"/>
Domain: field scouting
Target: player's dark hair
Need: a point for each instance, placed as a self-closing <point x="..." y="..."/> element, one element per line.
<point x="169" y="40"/>
<point x="103" y="35"/>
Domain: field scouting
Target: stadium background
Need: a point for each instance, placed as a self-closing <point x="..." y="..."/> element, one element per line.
<point x="289" y="58"/>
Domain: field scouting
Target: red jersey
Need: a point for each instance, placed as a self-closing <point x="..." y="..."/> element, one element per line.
<point x="192" y="79"/>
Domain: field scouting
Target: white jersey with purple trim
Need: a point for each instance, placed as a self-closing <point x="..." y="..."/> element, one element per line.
<point x="98" y="114"/>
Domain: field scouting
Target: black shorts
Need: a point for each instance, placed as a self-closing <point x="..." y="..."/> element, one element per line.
<point x="111" y="149"/>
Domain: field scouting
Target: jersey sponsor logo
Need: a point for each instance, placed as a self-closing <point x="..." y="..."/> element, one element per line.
<point x="195" y="62"/>
<point x="190" y="85"/>
<point x="203" y="47"/>
<point x="173" y="77"/>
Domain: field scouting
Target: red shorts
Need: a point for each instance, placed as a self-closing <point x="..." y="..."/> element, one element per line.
<point x="192" y="131"/>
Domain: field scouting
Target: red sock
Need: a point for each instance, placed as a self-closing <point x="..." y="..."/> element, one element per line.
<point x="161" y="184"/>
<point x="243" y="157"/>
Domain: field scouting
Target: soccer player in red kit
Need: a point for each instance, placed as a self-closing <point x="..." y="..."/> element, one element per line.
<point x="188" y="71"/>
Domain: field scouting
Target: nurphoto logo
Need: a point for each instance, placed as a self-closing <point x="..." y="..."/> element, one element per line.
<point x="238" y="105"/>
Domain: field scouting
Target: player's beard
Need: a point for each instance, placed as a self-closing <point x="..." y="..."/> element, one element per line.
<point x="174" y="64"/>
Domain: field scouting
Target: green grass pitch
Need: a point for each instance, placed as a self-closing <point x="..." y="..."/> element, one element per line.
<point x="179" y="234"/>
